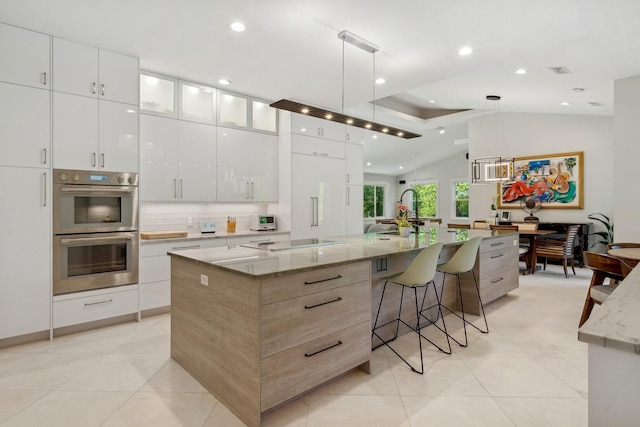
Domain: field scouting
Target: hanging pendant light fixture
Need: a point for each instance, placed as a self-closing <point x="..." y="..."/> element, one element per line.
<point x="321" y="113"/>
<point x="492" y="169"/>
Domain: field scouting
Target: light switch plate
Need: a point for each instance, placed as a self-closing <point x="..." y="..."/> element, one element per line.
<point x="207" y="226"/>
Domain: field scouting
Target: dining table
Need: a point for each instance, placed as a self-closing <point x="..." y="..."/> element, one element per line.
<point x="532" y="236"/>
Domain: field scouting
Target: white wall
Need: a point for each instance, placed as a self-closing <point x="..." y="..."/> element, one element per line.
<point x="626" y="131"/>
<point x="539" y="134"/>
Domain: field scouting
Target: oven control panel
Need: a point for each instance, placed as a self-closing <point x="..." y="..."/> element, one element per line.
<point x="79" y="177"/>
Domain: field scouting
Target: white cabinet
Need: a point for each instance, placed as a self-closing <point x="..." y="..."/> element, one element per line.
<point x="83" y="307"/>
<point x="247" y="166"/>
<point x="85" y="70"/>
<point x="233" y="110"/>
<point x="314" y="146"/>
<point x="90" y="134"/>
<point x="25" y="130"/>
<point x="312" y="126"/>
<point x="25" y="57"/>
<point x="158" y="94"/>
<point x="178" y="160"/>
<point x="25" y="252"/>
<point x="355" y="166"/>
<point x="354" y="209"/>
<point x="197" y="103"/>
<point x="354" y="135"/>
<point x="317" y="196"/>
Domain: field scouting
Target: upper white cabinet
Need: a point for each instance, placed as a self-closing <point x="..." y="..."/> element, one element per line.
<point x="94" y="135"/>
<point x="354" y="135"/>
<point x="25" y="130"/>
<point x="178" y="160"/>
<point x="233" y="110"/>
<point x="355" y="167"/>
<point x="312" y="126"/>
<point x="197" y="103"/>
<point x="158" y="94"/>
<point x="25" y="57"/>
<point x="247" y="166"/>
<point x="85" y="70"/>
<point x="263" y="117"/>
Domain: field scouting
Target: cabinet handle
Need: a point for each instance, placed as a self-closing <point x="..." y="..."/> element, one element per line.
<point x="44" y="78"/>
<point x="44" y="156"/>
<point x="107" y="301"/>
<point x="313" y="213"/>
<point x="324" y="280"/>
<point x="315" y="153"/>
<point x="348" y="136"/>
<point x="348" y="178"/>
<point x="308" y="307"/>
<point x="94" y="88"/>
<point x="253" y="196"/>
<point x="176" y="248"/>
<point x="175" y="188"/>
<point x="348" y="196"/>
<point x="102" y="159"/>
<point x="181" y="189"/>
<point x="93" y="160"/>
<point x="319" y="132"/>
<point x="324" y="349"/>
<point x="496" y="256"/>
<point x="246" y="190"/>
<point x="497" y="280"/>
<point x="317" y="212"/>
<point x="497" y="244"/>
<point x="102" y="89"/>
<point x="44" y="189"/>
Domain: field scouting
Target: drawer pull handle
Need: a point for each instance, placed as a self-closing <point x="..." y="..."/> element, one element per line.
<point x="107" y="301"/>
<point x="496" y="256"/>
<point x="324" y="349"/>
<point x="307" y="307"/>
<point x="324" y="280"/>
<point x="175" y="248"/>
<point x="497" y="244"/>
<point x="497" y="280"/>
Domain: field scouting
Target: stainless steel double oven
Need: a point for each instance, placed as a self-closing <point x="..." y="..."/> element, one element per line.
<point x="95" y="227"/>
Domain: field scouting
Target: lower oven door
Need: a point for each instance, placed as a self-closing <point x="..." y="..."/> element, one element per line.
<point x="93" y="261"/>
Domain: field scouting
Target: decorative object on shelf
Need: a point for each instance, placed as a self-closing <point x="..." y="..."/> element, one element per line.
<point x="530" y="206"/>
<point x="321" y="113"/>
<point x="404" y="226"/>
<point x="554" y="180"/>
<point x="491" y="169"/>
<point x="606" y="236"/>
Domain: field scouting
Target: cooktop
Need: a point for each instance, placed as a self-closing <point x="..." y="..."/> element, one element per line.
<point x="291" y="244"/>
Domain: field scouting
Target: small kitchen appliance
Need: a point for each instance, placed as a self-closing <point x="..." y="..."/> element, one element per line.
<point x="259" y="222"/>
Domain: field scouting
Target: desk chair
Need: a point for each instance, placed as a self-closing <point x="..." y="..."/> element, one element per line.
<point x="419" y="274"/>
<point x="604" y="266"/>
<point x="560" y="249"/>
<point x="462" y="262"/>
<point x="454" y="225"/>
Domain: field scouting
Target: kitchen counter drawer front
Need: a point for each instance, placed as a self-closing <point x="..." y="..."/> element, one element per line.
<point x="494" y="262"/>
<point x="498" y="243"/>
<point x="298" y="284"/>
<point x="288" y="323"/>
<point x="84" y="309"/>
<point x="294" y="371"/>
<point x="497" y="285"/>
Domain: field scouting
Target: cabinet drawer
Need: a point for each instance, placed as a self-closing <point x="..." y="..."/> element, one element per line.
<point x="286" y="324"/>
<point x="294" y="371"/>
<point x="154" y="269"/>
<point x="318" y="147"/>
<point x="498" y="260"/>
<point x="83" y="309"/>
<point x="499" y="243"/>
<point x="154" y="295"/>
<point x="295" y="285"/>
<point x="155" y="249"/>
<point x="497" y="285"/>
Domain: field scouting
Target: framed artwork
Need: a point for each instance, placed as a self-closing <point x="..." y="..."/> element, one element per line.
<point x="554" y="181"/>
<point x="505" y="216"/>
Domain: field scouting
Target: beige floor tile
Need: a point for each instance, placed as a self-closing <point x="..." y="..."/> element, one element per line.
<point x="493" y="344"/>
<point x="164" y="410"/>
<point x="357" y="411"/>
<point x="117" y="372"/>
<point x="14" y="401"/>
<point x="518" y="378"/>
<point x="295" y="414"/>
<point x="537" y="412"/>
<point x="548" y="344"/>
<point x="455" y="412"/>
<point x="70" y="408"/>
<point x="221" y="416"/>
<point x="574" y="372"/>
<point x="173" y="378"/>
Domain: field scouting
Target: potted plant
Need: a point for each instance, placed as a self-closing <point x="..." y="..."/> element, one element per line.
<point x="606" y="236"/>
<point x="404" y="226"/>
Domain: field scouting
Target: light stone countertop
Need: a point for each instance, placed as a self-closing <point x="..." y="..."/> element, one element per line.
<point x="259" y="264"/>
<point x="217" y="235"/>
<point x="616" y="323"/>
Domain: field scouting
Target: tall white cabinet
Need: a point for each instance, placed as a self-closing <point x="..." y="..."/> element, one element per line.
<point x="25" y="162"/>
<point x="95" y="106"/>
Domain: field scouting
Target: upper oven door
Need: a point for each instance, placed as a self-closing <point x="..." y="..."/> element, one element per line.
<point x="94" y="208"/>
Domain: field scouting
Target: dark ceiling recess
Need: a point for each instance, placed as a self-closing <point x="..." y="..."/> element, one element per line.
<point x="295" y="107"/>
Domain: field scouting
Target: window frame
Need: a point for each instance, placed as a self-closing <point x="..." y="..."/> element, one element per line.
<point x="385" y="188"/>
<point x="428" y="182"/>
<point x="454" y="182"/>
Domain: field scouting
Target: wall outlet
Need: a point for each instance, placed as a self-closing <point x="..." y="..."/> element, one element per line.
<point x="204" y="279"/>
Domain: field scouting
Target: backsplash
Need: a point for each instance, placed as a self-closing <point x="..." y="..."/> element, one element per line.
<point x="175" y="216"/>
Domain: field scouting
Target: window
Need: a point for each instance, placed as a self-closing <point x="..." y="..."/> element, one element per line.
<point x="460" y="199"/>
<point x="428" y="198"/>
<point x="373" y="201"/>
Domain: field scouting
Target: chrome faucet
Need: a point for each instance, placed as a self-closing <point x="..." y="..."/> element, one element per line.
<point x="415" y="202"/>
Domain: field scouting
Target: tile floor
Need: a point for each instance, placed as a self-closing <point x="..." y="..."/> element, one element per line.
<point x="530" y="370"/>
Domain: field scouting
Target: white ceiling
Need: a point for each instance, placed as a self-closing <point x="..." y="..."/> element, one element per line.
<point x="291" y="50"/>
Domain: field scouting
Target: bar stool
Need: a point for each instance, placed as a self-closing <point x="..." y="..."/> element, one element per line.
<point x="419" y="274"/>
<point x="462" y="262"/>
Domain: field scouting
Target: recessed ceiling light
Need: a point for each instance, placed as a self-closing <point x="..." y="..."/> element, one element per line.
<point x="385" y="130"/>
<point x="368" y="163"/>
<point x="305" y="110"/>
<point x="441" y="131"/>
<point x="380" y="81"/>
<point x="237" y="26"/>
<point x="374" y="137"/>
<point x="328" y="116"/>
<point x="565" y="103"/>
<point x="224" y="82"/>
<point x="521" y="71"/>
<point x="349" y="121"/>
<point x="368" y="125"/>
<point x="400" y="133"/>
<point x="401" y="167"/>
<point x="465" y="50"/>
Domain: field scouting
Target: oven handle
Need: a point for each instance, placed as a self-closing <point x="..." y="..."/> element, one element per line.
<point x="98" y="190"/>
<point x="96" y="239"/>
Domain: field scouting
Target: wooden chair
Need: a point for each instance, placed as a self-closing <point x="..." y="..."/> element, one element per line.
<point x="453" y="225"/>
<point x="503" y="227"/>
<point x="524" y="242"/>
<point x="479" y="224"/>
<point x="604" y="266"/>
<point x="559" y="249"/>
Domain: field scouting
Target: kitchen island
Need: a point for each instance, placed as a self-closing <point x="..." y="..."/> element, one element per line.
<point x="258" y="327"/>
